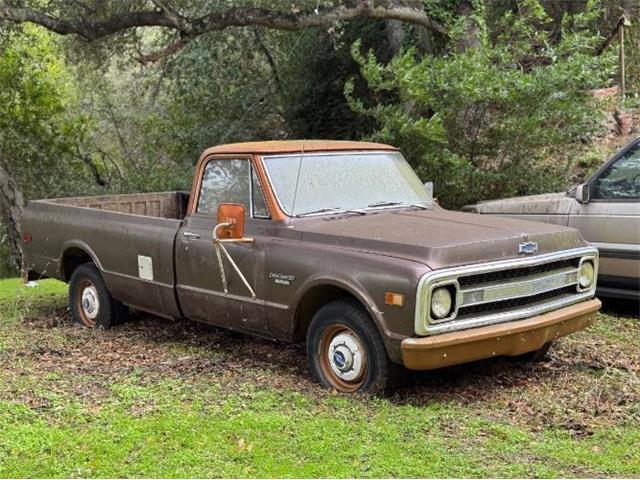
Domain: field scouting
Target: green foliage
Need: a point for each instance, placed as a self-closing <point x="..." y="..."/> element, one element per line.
<point x="152" y="123"/>
<point x="39" y="126"/>
<point x="312" y="80"/>
<point x="127" y="142"/>
<point x="7" y="265"/>
<point x="219" y="89"/>
<point x="40" y="129"/>
<point x="491" y="121"/>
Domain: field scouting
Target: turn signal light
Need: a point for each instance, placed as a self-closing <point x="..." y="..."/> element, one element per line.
<point x="26" y="237"/>
<point x="395" y="299"/>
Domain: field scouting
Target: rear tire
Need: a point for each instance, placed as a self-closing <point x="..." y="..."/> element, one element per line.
<point x="536" y="356"/>
<point x="346" y="353"/>
<point x="90" y="302"/>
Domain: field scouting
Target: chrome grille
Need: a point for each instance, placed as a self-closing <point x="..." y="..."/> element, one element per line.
<point x="506" y="305"/>
<point x="518" y="272"/>
<point x="517" y="287"/>
<point x="504" y="290"/>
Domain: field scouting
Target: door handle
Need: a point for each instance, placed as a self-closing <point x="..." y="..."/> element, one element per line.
<point x="190" y="235"/>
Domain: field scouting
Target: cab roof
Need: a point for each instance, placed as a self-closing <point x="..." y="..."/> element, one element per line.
<point x="294" y="146"/>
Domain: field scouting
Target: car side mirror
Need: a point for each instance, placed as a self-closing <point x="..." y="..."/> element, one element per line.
<point x="230" y="221"/>
<point x="582" y="193"/>
<point x="428" y="186"/>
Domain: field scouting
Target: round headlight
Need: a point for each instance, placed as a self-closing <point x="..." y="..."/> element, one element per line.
<point x="586" y="274"/>
<point x="441" y="302"/>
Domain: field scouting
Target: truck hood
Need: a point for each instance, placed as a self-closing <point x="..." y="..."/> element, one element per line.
<point x="437" y="238"/>
<point x="547" y="203"/>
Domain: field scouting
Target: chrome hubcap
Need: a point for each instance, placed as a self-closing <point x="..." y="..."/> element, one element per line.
<point x="90" y="303"/>
<point x="346" y="356"/>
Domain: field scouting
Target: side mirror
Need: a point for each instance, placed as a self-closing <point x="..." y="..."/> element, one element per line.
<point x="428" y="186"/>
<point x="230" y="229"/>
<point x="233" y="215"/>
<point x="582" y="193"/>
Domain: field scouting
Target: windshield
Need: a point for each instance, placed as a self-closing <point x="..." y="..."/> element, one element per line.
<point x="344" y="181"/>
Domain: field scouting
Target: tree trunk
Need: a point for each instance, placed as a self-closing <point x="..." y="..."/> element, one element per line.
<point x="394" y="30"/>
<point x="11" y="210"/>
<point x="471" y="36"/>
<point x="422" y="37"/>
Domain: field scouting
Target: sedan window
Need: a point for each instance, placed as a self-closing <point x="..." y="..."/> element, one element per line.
<point x="622" y="179"/>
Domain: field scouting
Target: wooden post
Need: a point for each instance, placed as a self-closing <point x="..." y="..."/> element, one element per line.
<point x="622" y="69"/>
<point x="623" y="22"/>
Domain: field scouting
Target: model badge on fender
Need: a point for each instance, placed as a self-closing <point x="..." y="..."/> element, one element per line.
<point x="528" y="248"/>
<point x="281" y="278"/>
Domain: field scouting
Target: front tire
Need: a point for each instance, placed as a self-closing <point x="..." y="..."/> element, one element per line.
<point x="90" y="302"/>
<point x="345" y="350"/>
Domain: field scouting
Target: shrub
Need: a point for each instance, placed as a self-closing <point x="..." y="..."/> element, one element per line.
<point x="494" y="120"/>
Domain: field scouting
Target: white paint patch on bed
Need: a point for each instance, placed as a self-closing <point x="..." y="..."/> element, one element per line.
<point x="145" y="267"/>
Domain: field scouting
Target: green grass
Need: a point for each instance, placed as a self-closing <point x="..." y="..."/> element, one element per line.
<point x="147" y="399"/>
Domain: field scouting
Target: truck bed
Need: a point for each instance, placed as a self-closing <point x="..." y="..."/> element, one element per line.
<point x="159" y="204"/>
<point x="131" y="238"/>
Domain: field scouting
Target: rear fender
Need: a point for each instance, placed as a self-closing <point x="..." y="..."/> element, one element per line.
<point x="80" y="245"/>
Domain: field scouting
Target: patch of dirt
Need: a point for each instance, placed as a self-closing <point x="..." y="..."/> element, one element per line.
<point x="585" y="381"/>
<point x="154" y="349"/>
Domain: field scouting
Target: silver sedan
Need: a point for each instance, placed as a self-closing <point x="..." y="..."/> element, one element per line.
<point x="606" y="210"/>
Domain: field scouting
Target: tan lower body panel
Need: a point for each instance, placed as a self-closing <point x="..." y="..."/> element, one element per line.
<point x="511" y="338"/>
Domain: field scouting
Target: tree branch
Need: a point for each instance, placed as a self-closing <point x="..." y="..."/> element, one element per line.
<point x="219" y="20"/>
<point x="271" y="61"/>
<point x="167" y="51"/>
<point x="91" y="30"/>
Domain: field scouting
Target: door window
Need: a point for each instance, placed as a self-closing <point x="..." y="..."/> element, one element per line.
<point x="260" y="209"/>
<point x="227" y="181"/>
<point x="621" y="181"/>
<point x="224" y="181"/>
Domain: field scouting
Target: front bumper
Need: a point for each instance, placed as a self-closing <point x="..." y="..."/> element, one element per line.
<point x="511" y="338"/>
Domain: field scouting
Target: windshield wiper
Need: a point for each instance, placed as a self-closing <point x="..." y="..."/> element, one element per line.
<point x="392" y="203"/>
<point x="359" y="212"/>
<point x="320" y="210"/>
<point x="421" y="206"/>
<point x="331" y="209"/>
<point x="385" y="203"/>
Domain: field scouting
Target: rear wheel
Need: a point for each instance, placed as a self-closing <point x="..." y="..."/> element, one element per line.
<point x="90" y="302"/>
<point x="346" y="352"/>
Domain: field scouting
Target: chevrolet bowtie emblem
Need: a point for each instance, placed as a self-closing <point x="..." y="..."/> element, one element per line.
<point x="528" y="248"/>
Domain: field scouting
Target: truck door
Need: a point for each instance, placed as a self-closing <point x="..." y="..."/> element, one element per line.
<point x="611" y="221"/>
<point x="198" y="278"/>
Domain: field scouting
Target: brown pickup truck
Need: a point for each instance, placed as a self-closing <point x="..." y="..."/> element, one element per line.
<point x="335" y="243"/>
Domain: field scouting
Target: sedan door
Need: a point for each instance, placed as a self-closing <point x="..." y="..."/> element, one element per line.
<point x="610" y="219"/>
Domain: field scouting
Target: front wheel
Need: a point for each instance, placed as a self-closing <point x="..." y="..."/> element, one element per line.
<point x="346" y="352"/>
<point x="90" y="302"/>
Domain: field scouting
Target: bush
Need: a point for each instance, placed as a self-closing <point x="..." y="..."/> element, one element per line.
<point x="494" y="120"/>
